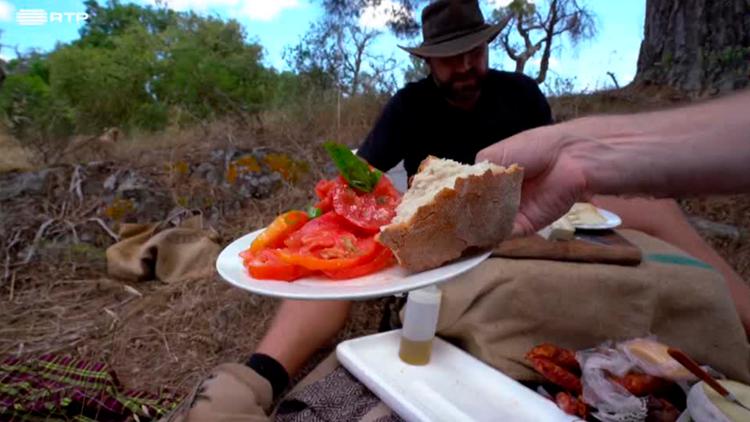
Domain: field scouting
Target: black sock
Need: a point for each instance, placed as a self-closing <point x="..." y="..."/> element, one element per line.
<point x="270" y="369"/>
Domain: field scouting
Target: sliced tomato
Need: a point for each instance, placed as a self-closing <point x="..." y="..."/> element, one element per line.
<point x="385" y="187"/>
<point x="276" y="232"/>
<point x="383" y="259"/>
<point x="367" y="211"/>
<point x="319" y="232"/>
<point x="345" y="253"/>
<point x="266" y="265"/>
<point x="324" y="191"/>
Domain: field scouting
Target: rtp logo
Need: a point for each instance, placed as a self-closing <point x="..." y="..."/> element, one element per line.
<point x="39" y="17"/>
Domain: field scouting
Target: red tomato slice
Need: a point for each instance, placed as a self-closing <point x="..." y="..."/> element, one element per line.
<point x="324" y="190"/>
<point x="385" y="187"/>
<point x="344" y="254"/>
<point x="339" y="243"/>
<point x="368" y="211"/>
<point x="319" y="232"/>
<point x="266" y="265"/>
<point x="383" y="259"/>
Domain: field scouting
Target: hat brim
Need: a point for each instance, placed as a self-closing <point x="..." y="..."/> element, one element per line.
<point x="456" y="46"/>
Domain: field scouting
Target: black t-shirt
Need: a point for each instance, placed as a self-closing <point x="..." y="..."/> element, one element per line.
<point x="418" y="121"/>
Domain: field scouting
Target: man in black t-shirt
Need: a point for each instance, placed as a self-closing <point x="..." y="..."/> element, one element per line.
<point x="460" y="109"/>
<point x="462" y="106"/>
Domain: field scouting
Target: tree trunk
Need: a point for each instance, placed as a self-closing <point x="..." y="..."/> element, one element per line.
<point x="700" y="47"/>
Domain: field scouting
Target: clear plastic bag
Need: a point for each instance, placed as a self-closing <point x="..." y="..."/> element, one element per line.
<point x="613" y="402"/>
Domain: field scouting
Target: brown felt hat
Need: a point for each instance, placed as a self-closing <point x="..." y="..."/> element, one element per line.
<point x="453" y="27"/>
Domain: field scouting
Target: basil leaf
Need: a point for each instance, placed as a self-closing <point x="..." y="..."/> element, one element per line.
<point x="355" y="171"/>
<point x="314" y="212"/>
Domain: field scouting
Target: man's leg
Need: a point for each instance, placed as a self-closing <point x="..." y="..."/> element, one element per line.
<point x="301" y="328"/>
<point x="297" y="331"/>
<point x="665" y="220"/>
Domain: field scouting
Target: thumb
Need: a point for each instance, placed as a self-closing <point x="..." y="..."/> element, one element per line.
<point x="522" y="226"/>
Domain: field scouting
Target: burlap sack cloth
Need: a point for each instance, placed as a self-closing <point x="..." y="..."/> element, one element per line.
<point x="503" y="308"/>
<point x="157" y="251"/>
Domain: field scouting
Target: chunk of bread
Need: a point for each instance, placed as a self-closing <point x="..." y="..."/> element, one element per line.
<point x="451" y="207"/>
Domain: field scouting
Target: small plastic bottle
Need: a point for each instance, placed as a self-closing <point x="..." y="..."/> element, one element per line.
<point x="420" y="324"/>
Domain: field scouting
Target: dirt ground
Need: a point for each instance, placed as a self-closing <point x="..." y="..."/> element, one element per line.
<point x="167" y="336"/>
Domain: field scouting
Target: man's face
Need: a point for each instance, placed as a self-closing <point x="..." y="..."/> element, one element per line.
<point x="460" y="77"/>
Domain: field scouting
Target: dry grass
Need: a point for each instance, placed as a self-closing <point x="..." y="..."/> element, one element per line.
<point x="158" y="335"/>
<point x="630" y="99"/>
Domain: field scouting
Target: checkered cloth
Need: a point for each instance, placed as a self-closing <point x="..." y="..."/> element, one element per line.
<point x="71" y="389"/>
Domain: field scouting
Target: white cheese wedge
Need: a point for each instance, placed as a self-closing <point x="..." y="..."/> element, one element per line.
<point x="561" y="229"/>
<point x="584" y="213"/>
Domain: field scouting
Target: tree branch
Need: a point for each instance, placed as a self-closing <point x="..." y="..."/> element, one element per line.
<point x="549" y="37"/>
<point x="508" y="48"/>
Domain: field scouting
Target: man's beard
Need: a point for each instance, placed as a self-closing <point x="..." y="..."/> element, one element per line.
<point x="461" y="88"/>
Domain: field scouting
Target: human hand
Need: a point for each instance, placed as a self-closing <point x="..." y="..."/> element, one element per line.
<point x="554" y="177"/>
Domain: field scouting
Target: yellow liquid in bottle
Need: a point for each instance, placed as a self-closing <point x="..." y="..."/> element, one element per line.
<point x="415" y="352"/>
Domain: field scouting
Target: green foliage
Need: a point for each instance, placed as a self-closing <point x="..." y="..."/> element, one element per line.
<point x="209" y="70"/>
<point x="139" y="68"/>
<point x="29" y="108"/>
<point x="522" y="8"/>
<point x="105" y="22"/>
<point x="316" y="58"/>
<point x="105" y="86"/>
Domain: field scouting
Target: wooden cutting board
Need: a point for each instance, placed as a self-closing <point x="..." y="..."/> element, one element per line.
<point x="595" y="246"/>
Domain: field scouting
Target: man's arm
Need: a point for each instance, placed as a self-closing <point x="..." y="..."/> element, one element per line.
<point x="699" y="149"/>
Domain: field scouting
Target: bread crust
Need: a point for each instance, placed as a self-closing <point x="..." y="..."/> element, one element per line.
<point x="478" y="212"/>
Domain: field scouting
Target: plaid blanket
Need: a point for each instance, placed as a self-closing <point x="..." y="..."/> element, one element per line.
<point x="61" y="387"/>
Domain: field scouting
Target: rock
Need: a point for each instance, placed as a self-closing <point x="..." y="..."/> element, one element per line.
<point x="110" y="183"/>
<point x="132" y="181"/>
<point x="97" y="178"/>
<point x="39" y="182"/>
<point x="137" y="198"/>
<point x="209" y="172"/>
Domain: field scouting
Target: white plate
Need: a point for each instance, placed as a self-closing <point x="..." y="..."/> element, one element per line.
<point x="453" y="386"/>
<point x="613" y="221"/>
<point x="387" y="282"/>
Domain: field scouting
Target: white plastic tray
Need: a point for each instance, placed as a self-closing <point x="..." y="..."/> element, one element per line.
<point x="454" y="386"/>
